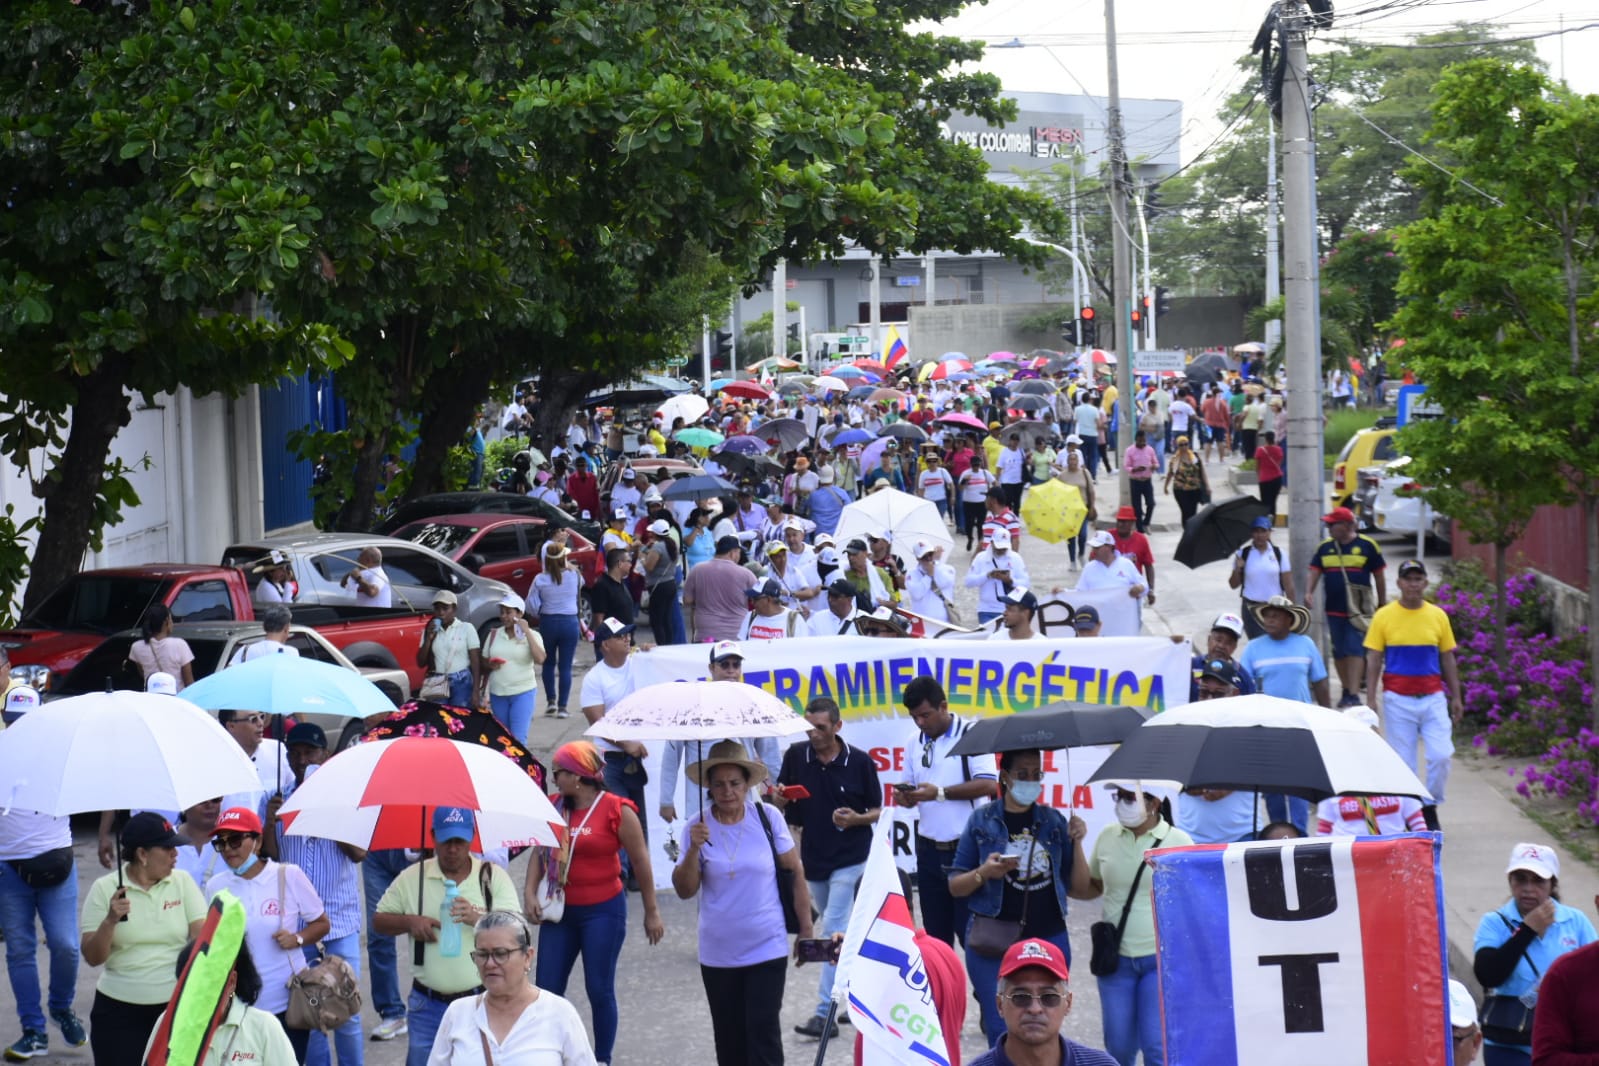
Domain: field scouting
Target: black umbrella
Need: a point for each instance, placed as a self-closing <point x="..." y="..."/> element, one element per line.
<point x="755" y="466"/>
<point x="789" y="433"/>
<point x="1033" y="386"/>
<point x="1206" y="368"/>
<point x="860" y="392"/>
<point x="1218" y="530"/>
<point x="1048" y="728"/>
<point x="1027" y="402"/>
<point x="1059" y="363"/>
<point x="905" y="431"/>
<point x="699" y="487"/>
<point x="1027" y="430"/>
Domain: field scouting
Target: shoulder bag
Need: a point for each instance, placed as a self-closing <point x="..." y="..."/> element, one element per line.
<point x="785" y="876"/>
<point x="551" y="891"/>
<point x="1107" y="938"/>
<point x="992" y="937"/>
<point x="1508" y="1019"/>
<point x="325" y="994"/>
<point x="1361" y="599"/>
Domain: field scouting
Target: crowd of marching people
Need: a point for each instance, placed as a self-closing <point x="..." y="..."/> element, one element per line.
<point x="727" y="545"/>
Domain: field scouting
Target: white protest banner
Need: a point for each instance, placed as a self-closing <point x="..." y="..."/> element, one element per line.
<point x="867" y="676"/>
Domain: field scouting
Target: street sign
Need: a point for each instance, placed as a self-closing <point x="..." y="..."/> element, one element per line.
<point x="907" y="281"/>
<point x="1157" y="361"/>
<point x="854" y="340"/>
<point x="1413" y="405"/>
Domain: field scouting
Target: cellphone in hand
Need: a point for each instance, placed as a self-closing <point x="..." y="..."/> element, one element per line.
<point x="818" y="949"/>
<point x="904" y="786"/>
<point x="795" y="792"/>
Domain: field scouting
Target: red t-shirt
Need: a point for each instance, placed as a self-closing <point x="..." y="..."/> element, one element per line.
<point x="1136" y="547"/>
<point x="1268" y="462"/>
<point x="596" y="871"/>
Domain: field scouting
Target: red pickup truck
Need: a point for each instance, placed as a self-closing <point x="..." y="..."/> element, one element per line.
<point x="90" y="606"/>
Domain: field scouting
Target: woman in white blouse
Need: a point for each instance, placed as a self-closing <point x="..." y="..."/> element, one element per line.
<point x="512" y="1022"/>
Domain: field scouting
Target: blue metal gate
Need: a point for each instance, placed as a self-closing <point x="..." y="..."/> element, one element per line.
<point x="295" y="403"/>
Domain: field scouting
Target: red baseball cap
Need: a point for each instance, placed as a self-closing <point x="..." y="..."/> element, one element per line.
<point x="238" y="820"/>
<point x="1338" y="514"/>
<point x="1034" y="952"/>
<point x="1126" y="514"/>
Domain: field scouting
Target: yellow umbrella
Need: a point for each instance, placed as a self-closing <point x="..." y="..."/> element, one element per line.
<point x="1053" y="511"/>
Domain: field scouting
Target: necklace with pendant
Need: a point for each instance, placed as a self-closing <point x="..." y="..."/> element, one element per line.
<point x="736" y="840"/>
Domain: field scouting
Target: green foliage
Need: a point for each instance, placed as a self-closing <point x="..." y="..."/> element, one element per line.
<point x="1364" y="268"/>
<point x="15" y="547"/>
<point x="1344" y="423"/>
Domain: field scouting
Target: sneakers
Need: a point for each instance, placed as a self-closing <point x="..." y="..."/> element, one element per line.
<point x="71" y="1029"/>
<point x="32" y="1044"/>
<point x="814" y="1026"/>
<point x="1349" y="699"/>
<point x="562" y="713"/>
<point x="390" y="1028"/>
<point x="549" y="712"/>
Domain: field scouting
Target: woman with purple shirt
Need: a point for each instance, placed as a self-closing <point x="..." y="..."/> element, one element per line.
<point x="734" y="849"/>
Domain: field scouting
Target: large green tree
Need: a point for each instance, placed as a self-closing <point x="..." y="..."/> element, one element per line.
<point x="1499" y="296"/>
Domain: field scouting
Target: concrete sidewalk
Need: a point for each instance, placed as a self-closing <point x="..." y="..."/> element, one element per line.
<point x="1482" y="819"/>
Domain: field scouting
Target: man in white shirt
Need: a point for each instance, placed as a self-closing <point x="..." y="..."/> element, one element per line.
<point x="768" y="618"/>
<point x="994" y="572"/>
<point x="839" y="617"/>
<point x="1106" y="569"/>
<point x="271" y="759"/>
<point x="276" y="584"/>
<point x="930" y="584"/>
<point x="626" y="495"/>
<point x="1021" y="606"/>
<point x="799" y="553"/>
<point x="944" y="789"/>
<point x="1011" y="468"/>
<point x="275" y="621"/>
<point x="372" y="588"/>
<point x="934" y="483"/>
<point x="1260" y="571"/>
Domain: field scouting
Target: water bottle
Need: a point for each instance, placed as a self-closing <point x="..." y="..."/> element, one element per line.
<point x="449" y="928"/>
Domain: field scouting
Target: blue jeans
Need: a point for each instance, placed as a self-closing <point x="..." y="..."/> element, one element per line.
<point x="1281" y="808"/>
<point x="515" y="712"/>
<point x="595" y="932"/>
<point x="560" y="633"/>
<point x="461" y="688"/>
<point x="348" y="1038"/>
<point x="630" y="787"/>
<point x="377" y="874"/>
<point x="1129" y="1012"/>
<point x="942" y="914"/>
<point x="1504" y="1055"/>
<point x="1091" y="455"/>
<point x="834" y="898"/>
<point x="984" y="973"/>
<point x="422" y="1017"/>
<point x="57" y="908"/>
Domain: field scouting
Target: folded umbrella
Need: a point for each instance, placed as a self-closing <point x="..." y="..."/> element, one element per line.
<point x="1218" y="530"/>
<point x="1053" y="511"/>
<point x="1050" y="728"/>
<point x="1264" y="744"/>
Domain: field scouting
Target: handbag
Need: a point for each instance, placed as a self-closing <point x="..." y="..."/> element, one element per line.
<point x="1507" y="1019"/>
<point x="1362" y="600"/>
<point x="326" y="993"/>
<point x="551" y="890"/>
<point x="1107" y="938"/>
<point x="785" y="877"/>
<point x="435" y="688"/>
<point x="992" y="937"/>
<point x="44" y="871"/>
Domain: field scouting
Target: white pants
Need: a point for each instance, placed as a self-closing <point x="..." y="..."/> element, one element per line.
<point x="1407" y="718"/>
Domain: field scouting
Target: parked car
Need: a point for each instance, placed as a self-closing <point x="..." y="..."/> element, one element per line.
<point x="443" y="503"/>
<point x="82" y="611"/>
<point x="1366" y="448"/>
<point x="214" y="645"/>
<point x="1398" y="508"/>
<point x="507" y="548"/>
<point x="320" y="560"/>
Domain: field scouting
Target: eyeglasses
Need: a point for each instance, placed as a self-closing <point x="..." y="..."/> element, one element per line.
<point x="499" y="955"/>
<point x="1024" y="1000"/>
<point x="249" y="719"/>
<point x="225" y="841"/>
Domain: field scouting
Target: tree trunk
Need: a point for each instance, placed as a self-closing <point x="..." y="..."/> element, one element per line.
<point x="454" y="393"/>
<point x="559" y="395"/>
<point x="103" y="407"/>
<point x="1501" y="609"/>
<point x="356" y="515"/>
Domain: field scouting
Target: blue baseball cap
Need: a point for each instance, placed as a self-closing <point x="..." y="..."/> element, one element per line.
<point x="453" y="823"/>
<point x="1261" y="522"/>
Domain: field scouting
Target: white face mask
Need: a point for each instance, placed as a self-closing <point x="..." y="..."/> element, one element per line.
<point x="1131" y="814"/>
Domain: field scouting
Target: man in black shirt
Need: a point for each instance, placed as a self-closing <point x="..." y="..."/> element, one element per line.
<point x="609" y="596"/>
<point x="831" y="795"/>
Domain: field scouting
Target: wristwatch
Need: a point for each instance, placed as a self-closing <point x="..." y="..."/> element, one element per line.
<point x="940" y="792"/>
<point x="299" y="940"/>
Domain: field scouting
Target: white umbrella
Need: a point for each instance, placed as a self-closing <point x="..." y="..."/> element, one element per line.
<point x="381" y="795"/>
<point x="109" y="751"/>
<point x="908" y="519"/>
<point x="828" y="382"/>
<point x="1249" y="346"/>
<point x="690" y="407"/>
<point x="699" y="710"/>
<point x="1266" y="744"/>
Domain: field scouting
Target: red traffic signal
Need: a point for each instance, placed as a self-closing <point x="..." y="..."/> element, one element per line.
<point x="1086" y="314"/>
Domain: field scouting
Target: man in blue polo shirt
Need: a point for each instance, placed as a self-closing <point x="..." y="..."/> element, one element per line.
<point x="1035" y="999"/>
<point x="832" y="819"/>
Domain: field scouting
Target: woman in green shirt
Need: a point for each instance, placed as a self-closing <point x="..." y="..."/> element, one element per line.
<point x="164" y="911"/>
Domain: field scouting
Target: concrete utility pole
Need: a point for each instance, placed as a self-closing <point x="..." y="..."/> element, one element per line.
<point x="780" y="309"/>
<point x="1274" y="328"/>
<point x="705" y="349"/>
<point x="1301" y="282"/>
<point x="1149" y="286"/>
<point x="877" y="307"/>
<point x="1121" y="259"/>
<point x="930" y="268"/>
<point x="1077" y="266"/>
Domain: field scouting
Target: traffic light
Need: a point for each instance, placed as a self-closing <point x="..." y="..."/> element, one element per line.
<point x="722" y="351"/>
<point x="1162" y="300"/>
<point x="1069" y="330"/>
<point x="1138" y="319"/>
<point x="1087" y="328"/>
<point x="1152" y="209"/>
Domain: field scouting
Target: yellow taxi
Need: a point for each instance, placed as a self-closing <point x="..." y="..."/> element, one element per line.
<point x="1368" y="447"/>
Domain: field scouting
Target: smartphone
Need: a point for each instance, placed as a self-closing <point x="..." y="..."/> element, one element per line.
<point x="815" y="950"/>
<point x="1017" y="855"/>
<point x="795" y="792"/>
<point x="904" y="786"/>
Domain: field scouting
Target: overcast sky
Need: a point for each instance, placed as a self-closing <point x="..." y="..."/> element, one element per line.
<point x="1185" y="50"/>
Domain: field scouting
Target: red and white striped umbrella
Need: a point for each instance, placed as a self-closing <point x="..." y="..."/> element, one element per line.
<point x="383" y="794"/>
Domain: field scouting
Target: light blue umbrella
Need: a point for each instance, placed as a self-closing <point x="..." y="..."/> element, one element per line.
<point x="289" y="685"/>
<point x="852" y="436"/>
<point x="849" y="372"/>
<point x="947" y="356"/>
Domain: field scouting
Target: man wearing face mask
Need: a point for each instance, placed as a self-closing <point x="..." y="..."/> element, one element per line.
<point x="1017" y="862"/>
<point x="1129" y="999"/>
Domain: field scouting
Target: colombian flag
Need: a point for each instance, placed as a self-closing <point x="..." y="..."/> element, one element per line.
<point x="896" y="349"/>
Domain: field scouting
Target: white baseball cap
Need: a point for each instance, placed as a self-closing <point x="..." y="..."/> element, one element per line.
<point x="1101" y="539"/>
<point x="1000" y="539"/>
<point x="1226" y="620"/>
<point x="19" y="701"/>
<point x="1462" y="1008"/>
<point x="925" y="548"/>
<point x="161" y="682"/>
<point x="660" y="527"/>
<point x="1535" y="858"/>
